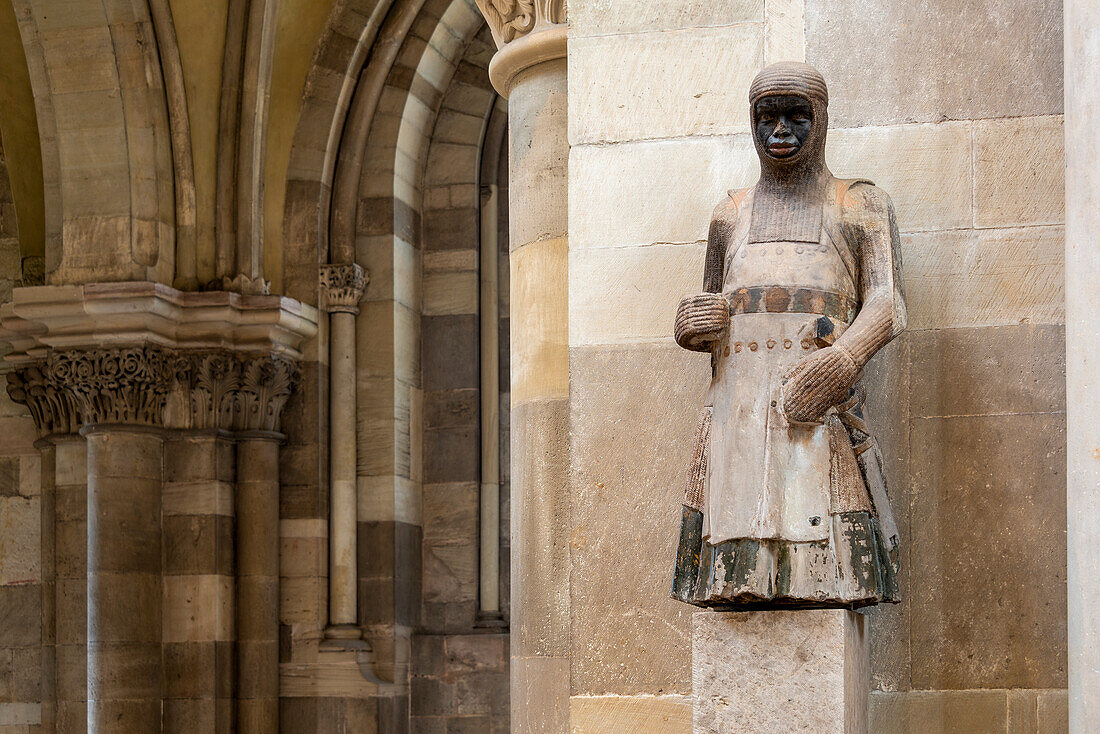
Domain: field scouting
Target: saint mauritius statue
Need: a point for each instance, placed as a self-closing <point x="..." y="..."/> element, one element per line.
<point x="786" y="504"/>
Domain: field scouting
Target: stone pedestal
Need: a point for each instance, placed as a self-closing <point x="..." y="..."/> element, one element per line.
<point x="780" y="672"/>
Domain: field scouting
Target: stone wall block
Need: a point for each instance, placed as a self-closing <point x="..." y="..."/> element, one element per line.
<point x="630" y="294"/>
<point x="623" y="504"/>
<point x="985" y="277"/>
<point x="538" y="155"/>
<point x="541" y="522"/>
<point x="600" y="19"/>
<point x="539" y="321"/>
<point x="1015" y="70"/>
<point x="1019" y="171"/>
<point x="656" y="85"/>
<point x="925" y="169"/>
<point x="540" y="695"/>
<point x="952" y="369"/>
<point x="988" y="560"/>
<point x="662" y="190"/>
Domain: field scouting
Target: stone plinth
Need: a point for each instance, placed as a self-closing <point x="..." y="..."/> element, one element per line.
<point x="779" y="672"/>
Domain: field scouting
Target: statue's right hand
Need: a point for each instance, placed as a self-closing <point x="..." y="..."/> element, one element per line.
<point x="700" y="320"/>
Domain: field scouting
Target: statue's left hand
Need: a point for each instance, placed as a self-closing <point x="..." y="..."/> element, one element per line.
<point x="817" y="383"/>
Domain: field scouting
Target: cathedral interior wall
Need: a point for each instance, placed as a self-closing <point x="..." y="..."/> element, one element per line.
<point x="954" y="109"/>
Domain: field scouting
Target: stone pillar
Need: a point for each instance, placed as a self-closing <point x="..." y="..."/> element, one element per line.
<point x="47" y="520"/>
<point x="258" y="583"/>
<point x="1082" y="110"/>
<point x="71" y="566"/>
<point x="265" y="386"/>
<point x="342" y="286"/>
<point x="199" y="567"/>
<point x="119" y="394"/>
<point x="125" y="677"/>
<point x="773" y="672"/>
<point x="64" y="545"/>
<point x="530" y="70"/>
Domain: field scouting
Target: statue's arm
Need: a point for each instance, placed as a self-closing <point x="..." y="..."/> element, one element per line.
<point x="824" y="378"/>
<point x="701" y="318"/>
<point x="868" y="218"/>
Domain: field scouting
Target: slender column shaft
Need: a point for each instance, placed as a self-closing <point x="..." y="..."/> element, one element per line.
<point x="257" y="610"/>
<point x="48" y="515"/>
<point x="342" y="286"/>
<point x="489" y="592"/>
<point x="1082" y="109"/>
<point x="342" y="518"/>
<point x="70" y="531"/>
<point x="125" y="680"/>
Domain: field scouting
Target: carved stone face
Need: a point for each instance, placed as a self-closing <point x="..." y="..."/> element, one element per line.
<point x="782" y="124"/>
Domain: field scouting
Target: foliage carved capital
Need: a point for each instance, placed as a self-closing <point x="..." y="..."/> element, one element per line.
<point x="126" y="385"/>
<point x="511" y="19"/>
<point x="343" y="286"/>
<point x="53" y="408"/>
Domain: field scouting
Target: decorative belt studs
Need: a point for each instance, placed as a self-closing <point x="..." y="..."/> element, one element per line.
<point x="738" y="347"/>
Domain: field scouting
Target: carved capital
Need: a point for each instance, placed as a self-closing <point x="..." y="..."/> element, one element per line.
<point x="230" y="392"/>
<point x="53" y="409"/>
<point x="267" y="382"/>
<point x="204" y="390"/>
<point x="343" y="286"/>
<point x="510" y="19"/>
<point x="114" y="385"/>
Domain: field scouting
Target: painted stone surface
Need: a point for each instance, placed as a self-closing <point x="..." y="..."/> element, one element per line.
<point x="786" y="503"/>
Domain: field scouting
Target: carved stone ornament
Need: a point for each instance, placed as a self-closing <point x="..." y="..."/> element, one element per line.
<point x="510" y="19"/>
<point x="53" y="409"/>
<point x="342" y="287"/>
<point x="114" y="385"/>
<point x="230" y="392"/>
<point x="155" y="387"/>
<point x="786" y="504"/>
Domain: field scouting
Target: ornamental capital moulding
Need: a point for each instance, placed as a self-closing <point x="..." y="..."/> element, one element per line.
<point x="150" y="386"/>
<point x="510" y="19"/>
<point x="342" y="287"/>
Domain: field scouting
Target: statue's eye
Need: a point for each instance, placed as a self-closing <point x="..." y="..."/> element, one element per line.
<point x="767" y="118"/>
<point x="801" y="117"/>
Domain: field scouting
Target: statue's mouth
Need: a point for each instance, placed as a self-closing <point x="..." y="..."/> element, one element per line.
<point x="782" y="150"/>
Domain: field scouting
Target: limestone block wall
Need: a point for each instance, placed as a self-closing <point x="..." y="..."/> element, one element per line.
<point x="967" y="137"/>
<point x="957" y="114"/>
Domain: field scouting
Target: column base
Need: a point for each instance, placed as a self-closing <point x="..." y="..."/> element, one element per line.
<point x="491" y="621"/>
<point x="344" y="637"/>
<point x="775" y="672"/>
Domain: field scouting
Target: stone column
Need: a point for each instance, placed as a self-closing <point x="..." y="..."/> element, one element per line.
<point x="120" y="395"/>
<point x="342" y="286"/>
<point x="530" y="70"/>
<point x="258" y="583"/>
<point x="1082" y="110"/>
<point x="71" y="566"/>
<point x="777" y="671"/>
<point x="64" y="544"/>
<point x="265" y="386"/>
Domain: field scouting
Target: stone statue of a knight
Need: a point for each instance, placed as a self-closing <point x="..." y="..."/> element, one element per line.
<point x="786" y="503"/>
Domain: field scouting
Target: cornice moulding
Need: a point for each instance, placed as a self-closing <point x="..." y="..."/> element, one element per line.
<point x="44" y="318"/>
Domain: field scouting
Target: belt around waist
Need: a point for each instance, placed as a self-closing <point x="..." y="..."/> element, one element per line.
<point x="783" y="299"/>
